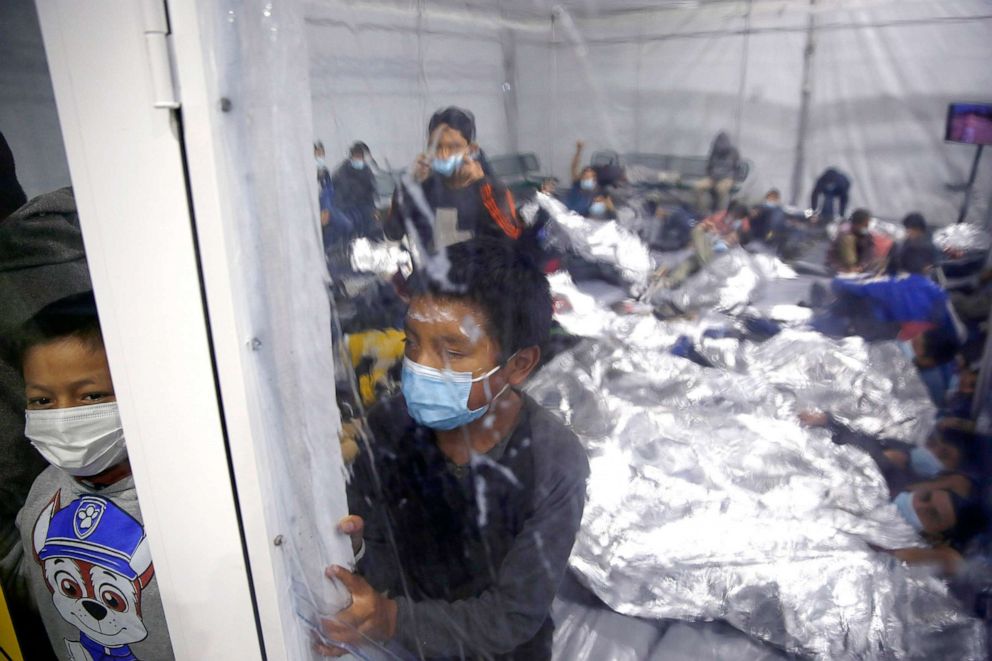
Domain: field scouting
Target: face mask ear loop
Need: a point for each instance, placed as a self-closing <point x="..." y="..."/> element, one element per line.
<point x="490" y="398"/>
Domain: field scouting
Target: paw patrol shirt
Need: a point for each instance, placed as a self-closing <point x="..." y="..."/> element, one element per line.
<point x="87" y="562"/>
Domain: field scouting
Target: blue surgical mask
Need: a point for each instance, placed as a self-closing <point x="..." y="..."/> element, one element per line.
<point x="358" y="164"/>
<point x="904" y="502"/>
<point x="439" y="398"/>
<point x="597" y="209"/>
<point x="924" y="462"/>
<point x="321" y="163"/>
<point x="587" y="184"/>
<point x="447" y="167"/>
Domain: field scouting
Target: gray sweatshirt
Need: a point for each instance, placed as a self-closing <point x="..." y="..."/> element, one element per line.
<point x="88" y="565"/>
<point x="483" y="549"/>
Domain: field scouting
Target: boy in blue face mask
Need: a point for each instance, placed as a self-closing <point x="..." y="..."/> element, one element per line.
<point x="467" y="500"/>
<point x="455" y="198"/>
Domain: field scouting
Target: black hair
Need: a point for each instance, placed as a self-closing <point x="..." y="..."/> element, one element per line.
<point x="915" y="257"/>
<point x="966" y="443"/>
<point x="318" y="145"/>
<point x="459" y="119"/>
<point x="503" y="281"/>
<point x="74" y="316"/>
<point x="970" y="519"/>
<point x="737" y="209"/>
<point x="860" y="216"/>
<point x="915" y="221"/>
<point x="358" y="148"/>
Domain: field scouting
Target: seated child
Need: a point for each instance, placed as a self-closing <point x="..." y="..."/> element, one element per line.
<point x="87" y="559"/>
<point x="467" y="502"/>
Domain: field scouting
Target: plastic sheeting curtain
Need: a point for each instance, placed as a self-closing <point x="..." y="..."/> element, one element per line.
<point x="259" y="79"/>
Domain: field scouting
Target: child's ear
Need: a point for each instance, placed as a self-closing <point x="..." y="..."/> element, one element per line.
<point x="522" y="364"/>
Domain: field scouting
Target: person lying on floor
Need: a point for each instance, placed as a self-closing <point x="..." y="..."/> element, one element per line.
<point x="889" y="306"/>
<point x="712" y="236"/>
<point x="932" y="487"/>
<point x="961" y="390"/>
<point x="949" y="456"/>
<point x="943" y="518"/>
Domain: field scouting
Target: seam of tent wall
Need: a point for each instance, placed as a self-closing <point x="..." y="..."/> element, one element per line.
<point x="664" y="78"/>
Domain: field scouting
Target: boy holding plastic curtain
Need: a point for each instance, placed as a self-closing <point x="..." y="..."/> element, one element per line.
<point x="467" y="500"/>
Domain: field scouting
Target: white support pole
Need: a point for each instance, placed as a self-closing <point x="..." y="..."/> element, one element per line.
<point x="126" y="165"/>
<point x="242" y="68"/>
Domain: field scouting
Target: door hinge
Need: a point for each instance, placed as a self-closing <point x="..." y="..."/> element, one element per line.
<point x="156" y="29"/>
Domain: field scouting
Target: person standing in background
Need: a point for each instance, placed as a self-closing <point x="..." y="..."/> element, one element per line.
<point x="833" y="186"/>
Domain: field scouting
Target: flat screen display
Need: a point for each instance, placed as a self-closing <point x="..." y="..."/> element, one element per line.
<point x="970" y="123"/>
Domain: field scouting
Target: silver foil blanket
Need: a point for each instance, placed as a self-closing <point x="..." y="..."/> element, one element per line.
<point x="962" y="238"/>
<point x="600" y="241"/>
<point x="870" y="386"/>
<point x="383" y="259"/>
<point x="727" y="284"/>
<point x="708" y="501"/>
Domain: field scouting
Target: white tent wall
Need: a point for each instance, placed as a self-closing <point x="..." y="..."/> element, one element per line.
<point x="28" y="119"/>
<point x="883" y="75"/>
<point x="629" y="82"/>
<point x="667" y="79"/>
<point x="379" y="70"/>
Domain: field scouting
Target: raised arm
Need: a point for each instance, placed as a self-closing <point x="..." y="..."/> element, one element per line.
<point x="577" y="161"/>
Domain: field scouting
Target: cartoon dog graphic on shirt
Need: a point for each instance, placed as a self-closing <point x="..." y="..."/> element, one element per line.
<point x="96" y="562"/>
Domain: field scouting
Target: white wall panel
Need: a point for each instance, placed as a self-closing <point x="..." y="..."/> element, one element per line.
<point x="379" y="71"/>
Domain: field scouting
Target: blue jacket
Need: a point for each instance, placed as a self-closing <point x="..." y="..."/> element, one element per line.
<point x="903" y="298"/>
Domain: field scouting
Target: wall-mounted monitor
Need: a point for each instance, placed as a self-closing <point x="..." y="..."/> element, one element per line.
<point x="970" y="123"/>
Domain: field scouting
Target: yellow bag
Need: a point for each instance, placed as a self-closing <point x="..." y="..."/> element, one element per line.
<point x="8" y="639"/>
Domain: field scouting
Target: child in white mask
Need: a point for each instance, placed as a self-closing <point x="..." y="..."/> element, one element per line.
<point x="86" y="555"/>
